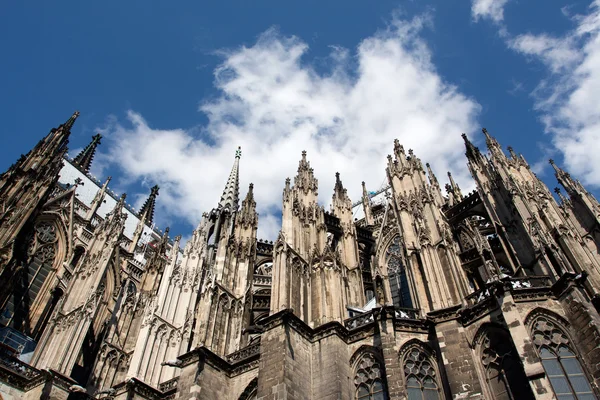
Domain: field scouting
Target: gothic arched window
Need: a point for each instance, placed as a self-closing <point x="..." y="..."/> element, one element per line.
<point x="41" y="252"/>
<point x="503" y="368"/>
<point x="560" y="362"/>
<point x="397" y="275"/>
<point x="420" y="375"/>
<point x="370" y="379"/>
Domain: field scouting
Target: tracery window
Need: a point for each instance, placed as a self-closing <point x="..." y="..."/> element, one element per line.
<point x="397" y="275"/>
<point x="420" y="376"/>
<point x="560" y="362"/>
<point x="41" y="253"/>
<point x="503" y="368"/>
<point x="370" y="379"/>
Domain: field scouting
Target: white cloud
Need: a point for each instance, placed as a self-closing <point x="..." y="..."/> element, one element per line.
<point x="567" y="98"/>
<point x="488" y="9"/>
<point x="273" y="103"/>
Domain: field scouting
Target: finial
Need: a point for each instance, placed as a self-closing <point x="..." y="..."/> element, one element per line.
<point x="148" y="206"/>
<point x="557" y="190"/>
<point x="69" y="124"/>
<point x="238" y="152"/>
<point x="303" y="155"/>
<point x="551" y="161"/>
<point x="84" y="159"/>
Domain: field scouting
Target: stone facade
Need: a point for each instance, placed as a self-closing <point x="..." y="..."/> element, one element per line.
<point x="428" y="295"/>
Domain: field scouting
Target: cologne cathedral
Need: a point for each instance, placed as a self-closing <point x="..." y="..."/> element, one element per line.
<point x="416" y="291"/>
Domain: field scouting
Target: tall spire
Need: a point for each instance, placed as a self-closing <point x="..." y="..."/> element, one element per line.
<point x="147" y="210"/>
<point x="305" y="179"/>
<point x="564" y="178"/>
<point x="69" y="124"/>
<point x="84" y="159"/>
<point x="432" y="178"/>
<point x="230" y="196"/>
<point x="472" y="151"/>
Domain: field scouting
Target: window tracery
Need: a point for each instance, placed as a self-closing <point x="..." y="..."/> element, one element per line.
<point x="560" y="362"/>
<point x="397" y="275"/>
<point x="42" y="247"/>
<point x="503" y="368"/>
<point x="370" y="379"/>
<point x="420" y="376"/>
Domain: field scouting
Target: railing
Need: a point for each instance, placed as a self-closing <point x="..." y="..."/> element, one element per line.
<point x="135" y="268"/>
<point x="359" y="320"/>
<point x="264" y="247"/>
<point x="87" y="235"/>
<point x="528" y="282"/>
<point x="17" y="366"/>
<point x="244" y="353"/>
<point x="406" y="313"/>
<point x="168" y="385"/>
<point x="261" y="302"/>
<point x="262" y="280"/>
<point x="467" y="203"/>
<point x="478" y="297"/>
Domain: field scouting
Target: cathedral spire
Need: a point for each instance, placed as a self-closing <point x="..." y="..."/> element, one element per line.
<point x="248" y="216"/>
<point x="492" y="144"/>
<point x="305" y="179"/>
<point x="98" y="199"/>
<point x="147" y="210"/>
<point x="472" y="152"/>
<point x="455" y="187"/>
<point x="230" y="196"/>
<point x="366" y="201"/>
<point x="564" y="178"/>
<point x="432" y="178"/>
<point x="84" y="159"/>
<point x="69" y="124"/>
<point x="340" y="194"/>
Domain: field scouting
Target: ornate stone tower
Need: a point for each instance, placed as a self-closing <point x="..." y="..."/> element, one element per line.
<point x="24" y="189"/>
<point x="315" y="267"/>
<point x="225" y="242"/>
<point x="425" y="265"/>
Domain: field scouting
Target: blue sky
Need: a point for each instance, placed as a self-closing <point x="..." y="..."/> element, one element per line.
<point x="175" y="88"/>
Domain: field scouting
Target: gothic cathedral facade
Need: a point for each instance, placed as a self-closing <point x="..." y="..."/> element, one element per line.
<point x="414" y="292"/>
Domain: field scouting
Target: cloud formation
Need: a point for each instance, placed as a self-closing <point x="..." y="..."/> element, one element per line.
<point x="488" y="9"/>
<point x="274" y="103"/>
<point x="567" y="96"/>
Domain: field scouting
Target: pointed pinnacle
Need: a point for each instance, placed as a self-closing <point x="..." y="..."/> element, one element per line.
<point x="149" y="204"/>
<point x="472" y="151"/>
<point x="230" y="196"/>
<point x="84" y="159"/>
<point x="69" y="124"/>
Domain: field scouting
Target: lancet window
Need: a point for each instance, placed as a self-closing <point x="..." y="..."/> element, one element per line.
<point x="420" y="375"/>
<point x="370" y="378"/>
<point x="397" y="275"/>
<point x="560" y="361"/>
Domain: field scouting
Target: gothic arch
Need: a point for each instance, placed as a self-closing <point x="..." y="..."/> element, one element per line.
<point x="250" y="392"/>
<point x="559" y="355"/>
<point x="42" y="252"/>
<point x="369" y="374"/>
<point x="538" y="311"/>
<point x="499" y="364"/>
<point x="421" y="376"/>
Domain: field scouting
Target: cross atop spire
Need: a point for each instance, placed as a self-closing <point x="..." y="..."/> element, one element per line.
<point x="230" y="196"/>
<point x="84" y="159"/>
<point x="148" y="207"/>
